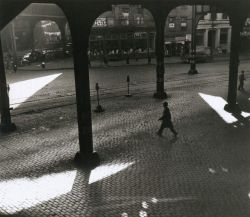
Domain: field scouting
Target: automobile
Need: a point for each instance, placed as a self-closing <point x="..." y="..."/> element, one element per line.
<point x="202" y="56"/>
<point x="68" y="49"/>
<point x="32" y="56"/>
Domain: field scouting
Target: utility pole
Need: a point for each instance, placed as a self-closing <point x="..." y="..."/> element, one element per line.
<point x="213" y="34"/>
<point x="193" y="69"/>
<point x="13" y="40"/>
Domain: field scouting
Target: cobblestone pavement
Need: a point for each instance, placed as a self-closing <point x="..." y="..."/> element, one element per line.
<point x="203" y="172"/>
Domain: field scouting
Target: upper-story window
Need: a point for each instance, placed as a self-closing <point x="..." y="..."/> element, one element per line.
<point x="224" y="16"/>
<point x="171" y="22"/>
<point x="183" y="23"/>
<point x="213" y="16"/>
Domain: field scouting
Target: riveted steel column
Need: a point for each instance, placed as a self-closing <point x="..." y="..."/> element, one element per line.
<point x="233" y="65"/>
<point x="159" y="52"/>
<point x="6" y="125"/>
<point x="80" y="38"/>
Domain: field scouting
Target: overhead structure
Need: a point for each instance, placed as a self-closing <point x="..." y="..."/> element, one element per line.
<point x="81" y="15"/>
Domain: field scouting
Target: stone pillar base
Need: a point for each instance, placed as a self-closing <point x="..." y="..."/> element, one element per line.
<point x="7" y="128"/>
<point x="88" y="161"/>
<point x="232" y="108"/>
<point x="160" y="95"/>
<point x="192" y="72"/>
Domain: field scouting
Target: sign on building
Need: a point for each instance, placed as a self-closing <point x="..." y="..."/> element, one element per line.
<point x="100" y="22"/>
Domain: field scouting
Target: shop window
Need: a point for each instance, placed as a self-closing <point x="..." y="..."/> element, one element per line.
<point x="200" y="37"/>
<point x="171" y="23"/>
<point x="183" y="23"/>
<point x="223" y="36"/>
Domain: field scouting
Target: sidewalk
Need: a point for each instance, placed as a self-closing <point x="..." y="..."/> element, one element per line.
<point x="68" y="63"/>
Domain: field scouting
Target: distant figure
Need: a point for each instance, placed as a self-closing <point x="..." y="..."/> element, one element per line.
<point x="127" y="59"/>
<point x="105" y="60"/>
<point x="241" y="80"/>
<point x="149" y="59"/>
<point x="14" y="68"/>
<point x="166" y="121"/>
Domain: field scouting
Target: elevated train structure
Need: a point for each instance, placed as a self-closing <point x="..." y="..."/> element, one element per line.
<point x="81" y="14"/>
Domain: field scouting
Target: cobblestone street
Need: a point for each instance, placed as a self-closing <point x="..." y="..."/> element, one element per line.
<point x="204" y="172"/>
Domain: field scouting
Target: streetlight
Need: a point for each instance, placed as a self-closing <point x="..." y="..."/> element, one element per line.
<point x="197" y="12"/>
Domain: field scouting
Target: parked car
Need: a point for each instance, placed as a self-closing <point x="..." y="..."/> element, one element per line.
<point x="202" y="56"/>
<point x="68" y="49"/>
<point x="32" y="56"/>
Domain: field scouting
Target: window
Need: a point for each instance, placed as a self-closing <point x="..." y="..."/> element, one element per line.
<point x="183" y="23"/>
<point x="224" y="16"/>
<point x="171" y="23"/>
<point x="213" y="16"/>
<point x="223" y="36"/>
<point x="200" y="37"/>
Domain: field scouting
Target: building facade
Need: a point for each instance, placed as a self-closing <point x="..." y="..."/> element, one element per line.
<point x="126" y="30"/>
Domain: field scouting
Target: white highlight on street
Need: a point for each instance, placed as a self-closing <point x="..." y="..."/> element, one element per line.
<point x="144" y="204"/>
<point x="23" y="193"/>
<point x="154" y="200"/>
<point x="107" y="170"/>
<point x="217" y="103"/>
<point x="211" y="170"/>
<point x="22" y="90"/>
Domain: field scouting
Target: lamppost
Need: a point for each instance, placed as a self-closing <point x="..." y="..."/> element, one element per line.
<point x="197" y="12"/>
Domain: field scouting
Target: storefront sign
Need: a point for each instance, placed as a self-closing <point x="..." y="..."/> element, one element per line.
<point x="100" y="22"/>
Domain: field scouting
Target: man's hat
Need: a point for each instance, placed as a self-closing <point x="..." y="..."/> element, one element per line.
<point x="165" y="103"/>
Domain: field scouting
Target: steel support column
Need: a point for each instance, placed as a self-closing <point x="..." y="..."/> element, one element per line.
<point x="6" y="125"/>
<point x="80" y="39"/>
<point x="193" y="69"/>
<point x="233" y="65"/>
<point x="159" y="52"/>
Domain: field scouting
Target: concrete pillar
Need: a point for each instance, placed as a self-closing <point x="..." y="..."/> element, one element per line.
<point x="233" y="65"/>
<point x="159" y="52"/>
<point x="206" y="38"/>
<point x="217" y="38"/>
<point x="229" y="33"/>
<point x="6" y="125"/>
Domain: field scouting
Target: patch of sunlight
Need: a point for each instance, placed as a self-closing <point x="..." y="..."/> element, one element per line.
<point x="107" y="170"/>
<point x="144" y="204"/>
<point x="22" y="90"/>
<point x="143" y="213"/>
<point x="218" y="103"/>
<point x="245" y="114"/>
<point x="23" y="193"/>
<point x="124" y="214"/>
<point x="154" y="200"/>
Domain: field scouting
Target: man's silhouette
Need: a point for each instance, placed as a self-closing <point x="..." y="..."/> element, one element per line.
<point x="166" y="121"/>
<point x="241" y="80"/>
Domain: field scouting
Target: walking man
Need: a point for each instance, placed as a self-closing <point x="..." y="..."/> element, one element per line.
<point x="166" y="121"/>
<point x="241" y="80"/>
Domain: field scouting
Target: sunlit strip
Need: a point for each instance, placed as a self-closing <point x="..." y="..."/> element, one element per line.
<point x="22" y="90"/>
<point x="218" y="103"/>
<point x="23" y="193"/>
<point x="107" y="170"/>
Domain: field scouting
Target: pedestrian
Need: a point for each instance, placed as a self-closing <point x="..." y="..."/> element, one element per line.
<point x="241" y="80"/>
<point x="14" y="68"/>
<point x="166" y="121"/>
